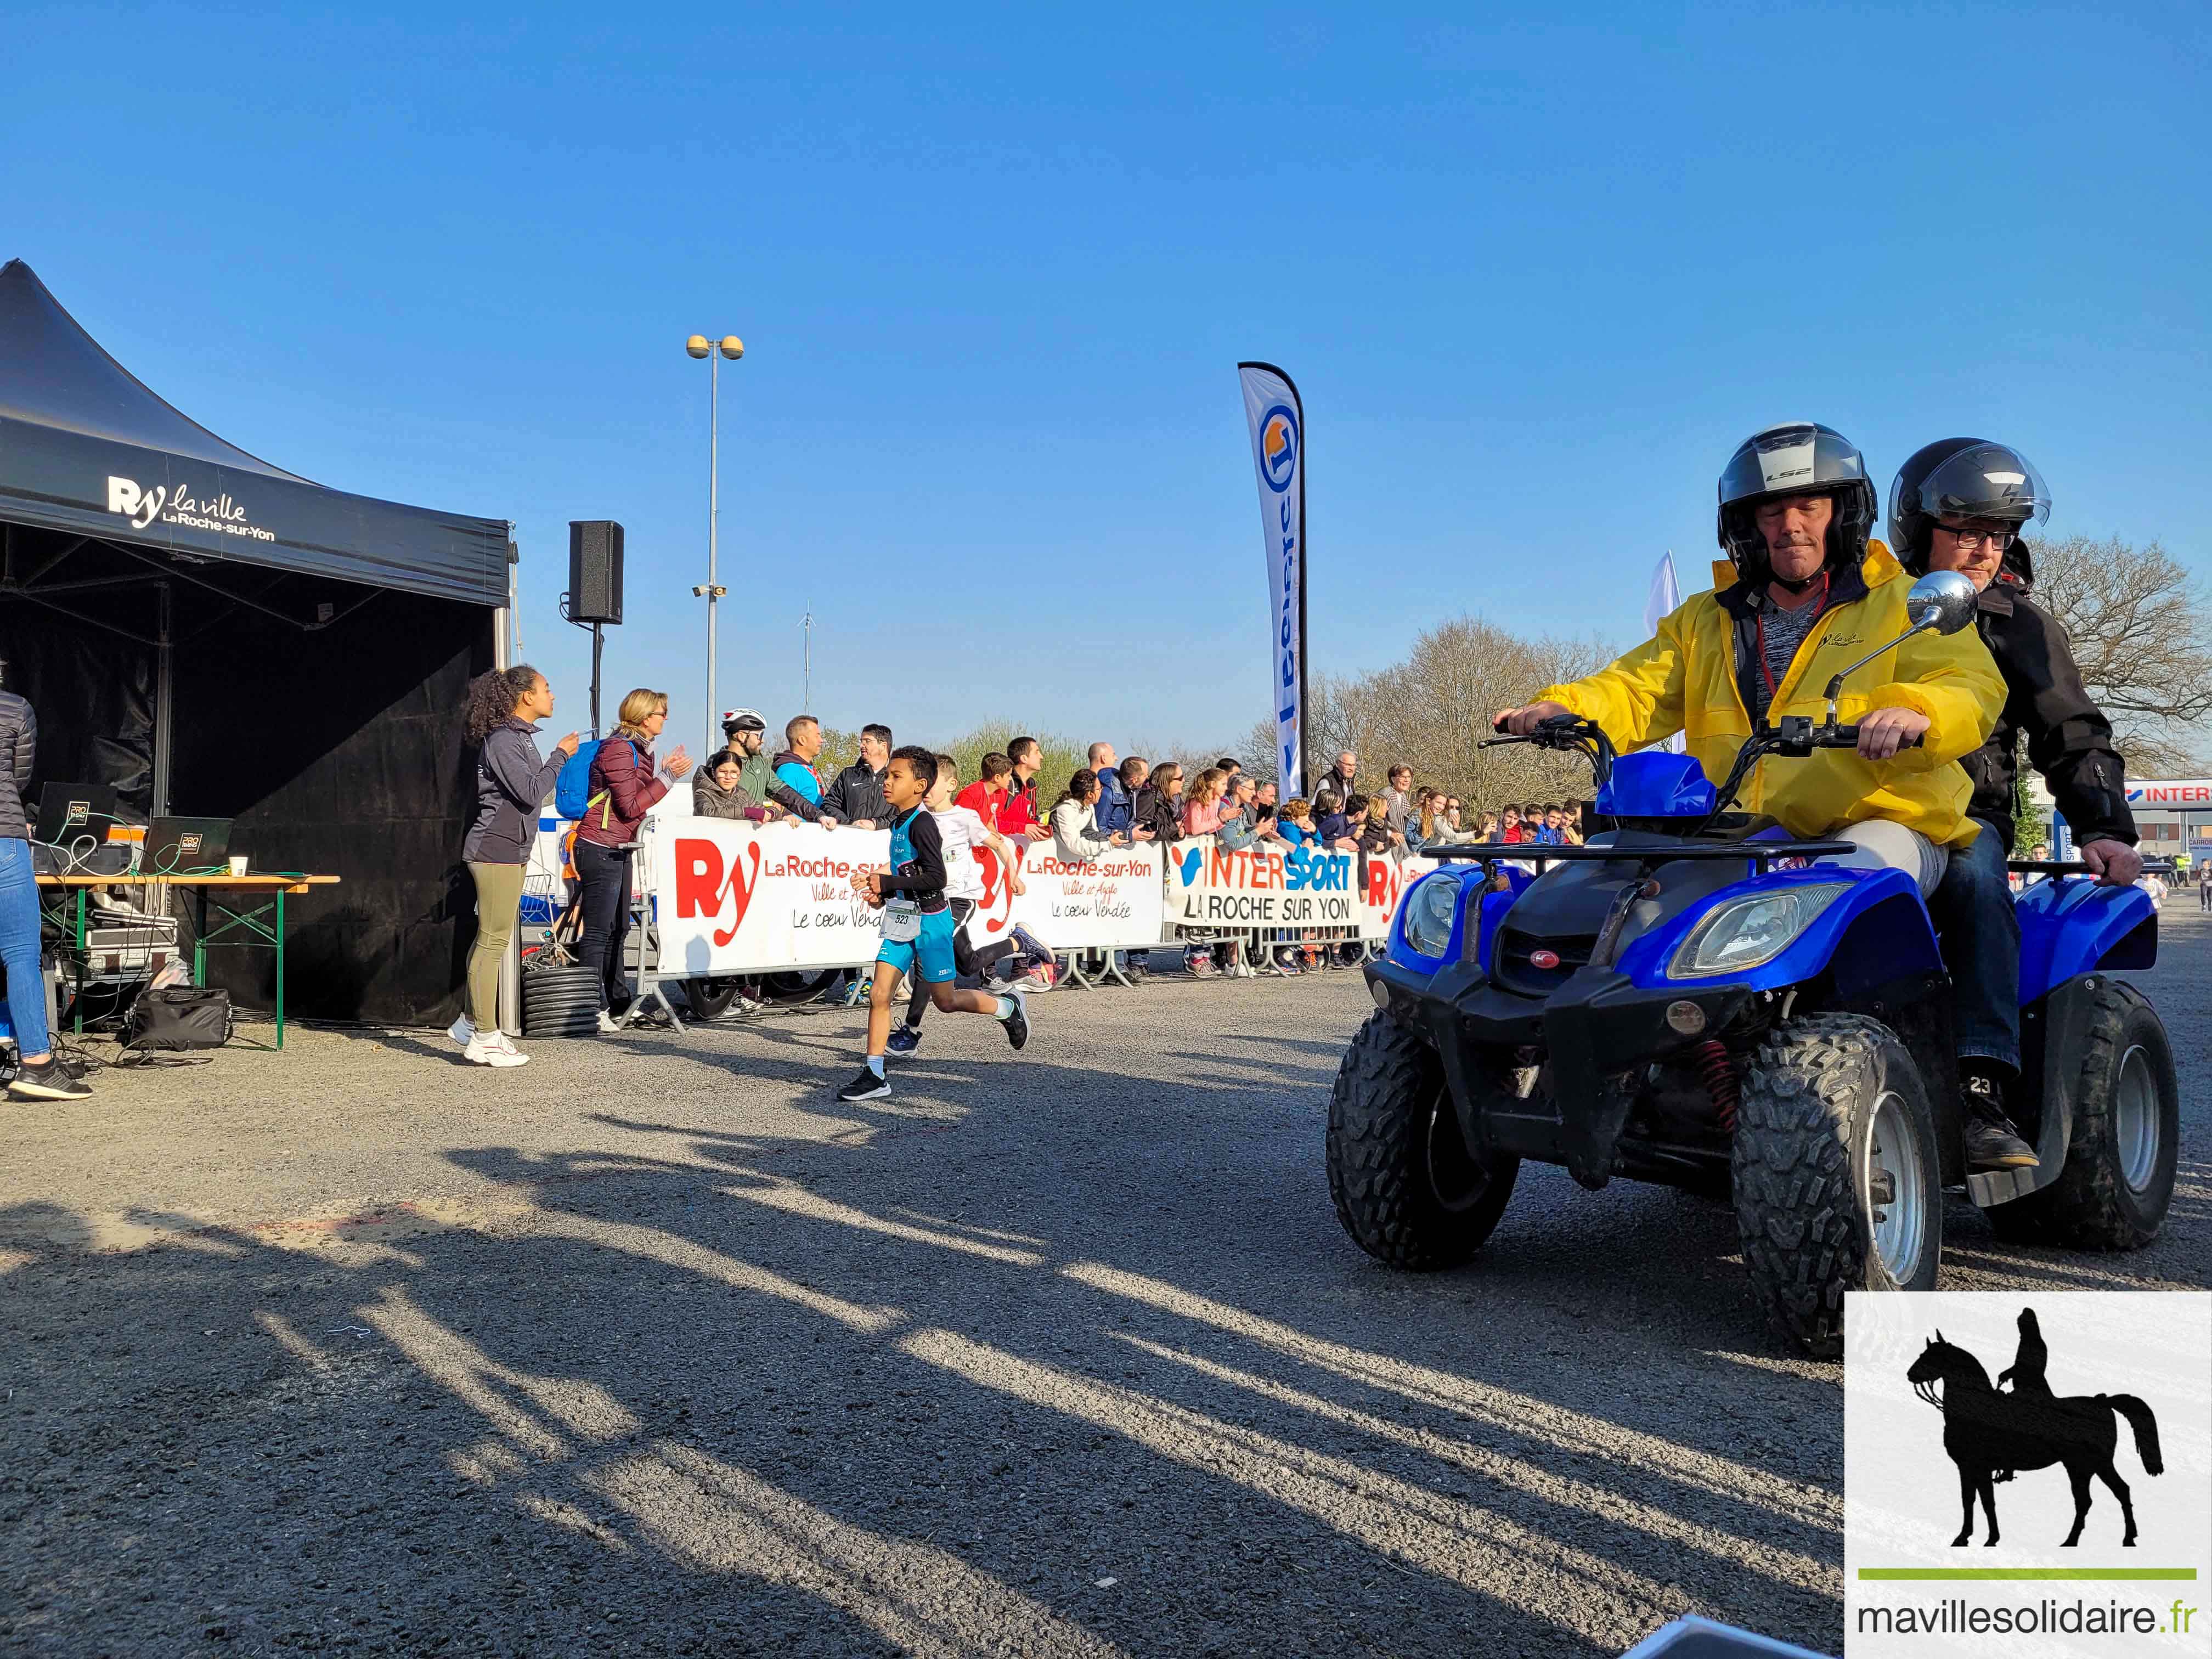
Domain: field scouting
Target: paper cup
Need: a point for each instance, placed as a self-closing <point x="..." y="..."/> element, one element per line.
<point x="238" y="867"/>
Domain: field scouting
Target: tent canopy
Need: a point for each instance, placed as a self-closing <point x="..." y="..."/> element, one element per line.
<point x="86" y="449"/>
<point x="214" y="636"/>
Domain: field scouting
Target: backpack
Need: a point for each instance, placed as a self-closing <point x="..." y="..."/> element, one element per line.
<point x="572" y="789"/>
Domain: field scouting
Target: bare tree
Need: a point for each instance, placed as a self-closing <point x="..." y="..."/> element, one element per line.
<point x="2142" y="632"/>
<point x="1432" y="711"/>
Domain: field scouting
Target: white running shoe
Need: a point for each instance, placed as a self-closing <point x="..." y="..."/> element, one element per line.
<point x="607" y="1026"/>
<point x="461" y="1030"/>
<point x="492" y="1050"/>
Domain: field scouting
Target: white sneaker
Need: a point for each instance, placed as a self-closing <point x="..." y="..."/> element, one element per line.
<point x="492" y="1050"/>
<point x="607" y="1026"/>
<point x="461" y="1030"/>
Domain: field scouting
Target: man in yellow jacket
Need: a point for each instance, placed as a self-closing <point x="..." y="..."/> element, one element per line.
<point x="1803" y="594"/>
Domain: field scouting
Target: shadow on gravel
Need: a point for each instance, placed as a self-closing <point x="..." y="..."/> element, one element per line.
<point x="1049" y="1383"/>
<point x="683" y="1403"/>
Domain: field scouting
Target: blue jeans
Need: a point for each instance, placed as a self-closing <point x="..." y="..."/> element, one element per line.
<point x="18" y="947"/>
<point x="1973" y="908"/>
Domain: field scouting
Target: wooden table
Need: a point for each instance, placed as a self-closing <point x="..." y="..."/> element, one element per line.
<point x="253" y="931"/>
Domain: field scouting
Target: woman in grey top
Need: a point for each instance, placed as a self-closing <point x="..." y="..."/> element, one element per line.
<point x="513" y="781"/>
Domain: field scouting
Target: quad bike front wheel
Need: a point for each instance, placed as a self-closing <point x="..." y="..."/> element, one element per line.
<point x="1407" y="1188"/>
<point x="2118" y="1179"/>
<point x="1837" y="1176"/>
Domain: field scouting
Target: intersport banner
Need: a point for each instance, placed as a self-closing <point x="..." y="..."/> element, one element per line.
<point x="743" y="898"/>
<point x="1278" y="424"/>
<point x="1211" y="889"/>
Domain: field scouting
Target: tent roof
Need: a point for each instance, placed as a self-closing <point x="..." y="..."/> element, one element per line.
<point x="85" y="446"/>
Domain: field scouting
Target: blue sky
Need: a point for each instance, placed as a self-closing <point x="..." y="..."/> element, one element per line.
<point x="994" y="267"/>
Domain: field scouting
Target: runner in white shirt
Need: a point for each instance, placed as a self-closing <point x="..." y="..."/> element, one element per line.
<point x="962" y="830"/>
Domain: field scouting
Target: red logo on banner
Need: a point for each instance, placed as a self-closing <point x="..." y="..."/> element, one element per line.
<point x="997" y="905"/>
<point x="700" y="889"/>
<point x="1383" y="880"/>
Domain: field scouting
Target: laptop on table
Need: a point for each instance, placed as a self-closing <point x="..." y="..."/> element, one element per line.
<point x="178" y="847"/>
<point x="75" y="812"/>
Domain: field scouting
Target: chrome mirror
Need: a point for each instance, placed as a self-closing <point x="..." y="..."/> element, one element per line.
<point x="1943" y="600"/>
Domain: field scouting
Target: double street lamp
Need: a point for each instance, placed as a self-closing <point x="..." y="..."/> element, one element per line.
<point x="713" y="351"/>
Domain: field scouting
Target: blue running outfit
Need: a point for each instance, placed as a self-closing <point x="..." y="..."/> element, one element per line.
<point x="914" y="898"/>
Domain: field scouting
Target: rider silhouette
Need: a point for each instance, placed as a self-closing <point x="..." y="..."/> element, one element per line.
<point x="2026" y="1370"/>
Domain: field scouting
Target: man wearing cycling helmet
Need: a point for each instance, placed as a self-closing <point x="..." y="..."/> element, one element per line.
<point x="1804" y="593"/>
<point x="747" y="733"/>
<point x="1959" y="504"/>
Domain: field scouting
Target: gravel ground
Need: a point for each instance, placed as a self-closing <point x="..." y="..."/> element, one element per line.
<point x="652" y="1347"/>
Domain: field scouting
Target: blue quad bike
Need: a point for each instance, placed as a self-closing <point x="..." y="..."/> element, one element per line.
<point x="1691" y="999"/>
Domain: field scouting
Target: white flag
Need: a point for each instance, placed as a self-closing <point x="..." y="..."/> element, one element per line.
<point x="1278" y="424"/>
<point x="1662" y="599"/>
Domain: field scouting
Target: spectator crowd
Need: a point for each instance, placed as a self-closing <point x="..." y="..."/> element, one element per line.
<point x="1108" y="802"/>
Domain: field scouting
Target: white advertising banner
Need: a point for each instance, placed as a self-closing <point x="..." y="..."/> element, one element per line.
<point x="1109" y="903"/>
<point x="1211" y="889"/>
<point x="745" y="898"/>
<point x="1383" y="881"/>
<point x="1278" y="424"/>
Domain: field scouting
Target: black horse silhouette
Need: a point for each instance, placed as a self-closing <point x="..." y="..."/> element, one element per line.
<point x="1984" y="1431"/>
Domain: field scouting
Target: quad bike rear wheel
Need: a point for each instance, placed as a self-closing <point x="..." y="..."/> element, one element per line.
<point x="1837" y="1176"/>
<point x="1407" y="1188"/>
<point x="2118" y="1179"/>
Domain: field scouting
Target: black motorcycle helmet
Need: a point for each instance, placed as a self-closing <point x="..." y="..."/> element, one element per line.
<point x="1799" y="458"/>
<point x="1964" y="478"/>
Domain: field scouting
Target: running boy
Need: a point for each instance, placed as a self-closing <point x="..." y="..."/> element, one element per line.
<point x="962" y="830"/>
<point x="918" y="925"/>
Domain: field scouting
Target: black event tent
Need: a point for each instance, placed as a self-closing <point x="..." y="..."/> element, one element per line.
<point x="216" y="636"/>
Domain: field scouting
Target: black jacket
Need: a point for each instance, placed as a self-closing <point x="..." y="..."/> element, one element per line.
<point x="857" y="793"/>
<point x="19" y="752"/>
<point x="2070" y="740"/>
<point x="1152" y="810"/>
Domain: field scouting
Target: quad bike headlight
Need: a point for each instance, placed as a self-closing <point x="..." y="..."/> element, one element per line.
<point x="1430" y="911"/>
<point x="1750" y="932"/>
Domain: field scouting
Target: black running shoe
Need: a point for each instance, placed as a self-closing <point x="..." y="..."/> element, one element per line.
<point x="866" y="1086"/>
<point x="48" y="1080"/>
<point x="1018" y="1023"/>
<point x="1992" y="1143"/>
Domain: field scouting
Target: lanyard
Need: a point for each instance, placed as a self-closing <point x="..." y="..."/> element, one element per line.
<point x="1767" y="668"/>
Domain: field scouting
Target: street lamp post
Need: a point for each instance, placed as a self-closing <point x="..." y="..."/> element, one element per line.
<point x="733" y="347"/>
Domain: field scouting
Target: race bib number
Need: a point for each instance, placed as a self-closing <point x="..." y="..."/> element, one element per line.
<point x="901" y="921"/>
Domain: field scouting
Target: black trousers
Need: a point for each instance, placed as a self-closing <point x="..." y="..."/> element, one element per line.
<point x="603" y="873"/>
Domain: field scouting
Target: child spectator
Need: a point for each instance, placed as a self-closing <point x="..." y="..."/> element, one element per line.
<point x="1201" y="806"/>
<point x="986" y="797"/>
<point x="1375" y="834"/>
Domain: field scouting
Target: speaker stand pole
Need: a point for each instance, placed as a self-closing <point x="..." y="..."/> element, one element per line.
<point x="596" y="640"/>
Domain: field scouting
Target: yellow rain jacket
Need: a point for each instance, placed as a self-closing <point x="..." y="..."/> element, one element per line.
<point x="1686" y="680"/>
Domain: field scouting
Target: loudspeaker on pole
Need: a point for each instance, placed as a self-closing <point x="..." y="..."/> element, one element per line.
<point x="595" y="570"/>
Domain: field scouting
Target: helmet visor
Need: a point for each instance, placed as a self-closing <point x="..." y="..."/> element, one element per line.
<point x="1988" y="482"/>
<point x="1784" y="460"/>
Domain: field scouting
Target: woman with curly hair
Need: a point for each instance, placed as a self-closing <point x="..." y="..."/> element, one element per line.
<point x="504" y="708"/>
